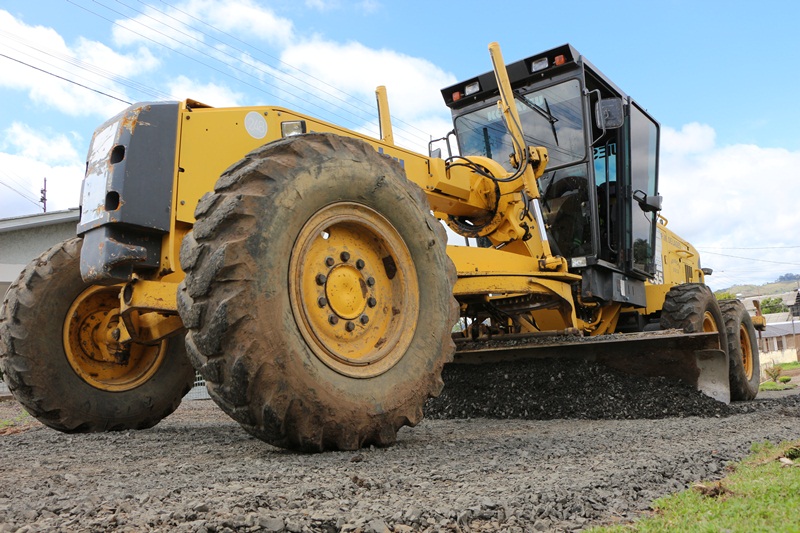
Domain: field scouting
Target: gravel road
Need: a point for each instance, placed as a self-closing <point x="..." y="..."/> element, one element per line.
<point x="198" y="471"/>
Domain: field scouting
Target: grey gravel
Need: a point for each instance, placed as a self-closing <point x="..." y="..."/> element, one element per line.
<point x="552" y="389"/>
<point x="199" y="472"/>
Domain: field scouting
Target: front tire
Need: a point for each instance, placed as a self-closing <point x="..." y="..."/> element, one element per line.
<point x="693" y="308"/>
<point x="318" y="295"/>
<point x="745" y="370"/>
<point x="58" y="363"/>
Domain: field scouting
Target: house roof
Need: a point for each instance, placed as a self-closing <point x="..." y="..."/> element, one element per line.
<point x="40" y="219"/>
<point x="781" y="329"/>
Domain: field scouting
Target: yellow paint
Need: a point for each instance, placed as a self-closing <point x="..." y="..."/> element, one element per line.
<point x="92" y="343"/>
<point x="356" y="314"/>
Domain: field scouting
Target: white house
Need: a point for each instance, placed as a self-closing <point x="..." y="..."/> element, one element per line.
<point x="24" y="238"/>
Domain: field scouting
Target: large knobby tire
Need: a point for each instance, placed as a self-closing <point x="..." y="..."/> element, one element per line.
<point x="318" y="295"/>
<point x="745" y="370"/>
<point x="58" y="363"/>
<point x="693" y="308"/>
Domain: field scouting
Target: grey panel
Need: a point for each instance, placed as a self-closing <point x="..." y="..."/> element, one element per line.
<point x="130" y="169"/>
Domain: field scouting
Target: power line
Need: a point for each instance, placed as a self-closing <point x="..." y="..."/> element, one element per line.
<point x="745" y="248"/>
<point x="280" y="61"/>
<point x="88" y="67"/>
<point x="754" y="259"/>
<point x="19" y="193"/>
<point x="257" y="88"/>
<point x="65" y="79"/>
<point x="244" y="72"/>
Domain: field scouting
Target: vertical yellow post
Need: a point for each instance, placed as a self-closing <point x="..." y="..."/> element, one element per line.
<point x="523" y="154"/>
<point x="384" y="119"/>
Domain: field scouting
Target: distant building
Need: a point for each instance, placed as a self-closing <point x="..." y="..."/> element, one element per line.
<point x="23" y="239"/>
<point x="778" y="343"/>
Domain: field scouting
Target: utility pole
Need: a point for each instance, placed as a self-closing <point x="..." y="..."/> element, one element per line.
<point x="43" y="198"/>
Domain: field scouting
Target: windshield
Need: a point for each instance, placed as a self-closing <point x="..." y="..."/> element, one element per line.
<point x="550" y="117"/>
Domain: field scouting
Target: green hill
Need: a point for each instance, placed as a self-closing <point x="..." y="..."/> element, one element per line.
<point x="767" y="289"/>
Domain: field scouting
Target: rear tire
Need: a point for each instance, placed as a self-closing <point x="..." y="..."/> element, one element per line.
<point x="318" y="295"/>
<point x="745" y="370"/>
<point x="73" y="387"/>
<point x="693" y="308"/>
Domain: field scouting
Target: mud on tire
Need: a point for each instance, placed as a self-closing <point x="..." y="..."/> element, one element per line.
<point x="745" y="370"/>
<point x="289" y="334"/>
<point x="693" y="308"/>
<point x="37" y="370"/>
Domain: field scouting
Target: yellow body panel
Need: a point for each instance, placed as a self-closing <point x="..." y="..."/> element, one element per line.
<point x="680" y="263"/>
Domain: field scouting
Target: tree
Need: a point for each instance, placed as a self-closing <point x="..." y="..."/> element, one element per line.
<point x="789" y="277"/>
<point x="773" y="305"/>
<point x="725" y="295"/>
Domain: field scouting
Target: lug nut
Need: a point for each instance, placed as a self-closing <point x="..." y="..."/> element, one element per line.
<point x="329" y="261"/>
<point x="370" y="281"/>
<point x="349" y="326"/>
<point x="333" y="320"/>
<point x="360" y="264"/>
<point x="372" y="302"/>
<point x="364" y="319"/>
<point x="322" y="301"/>
<point x="321" y="279"/>
<point x="345" y="256"/>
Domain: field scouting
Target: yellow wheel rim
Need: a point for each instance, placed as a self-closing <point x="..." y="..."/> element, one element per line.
<point x="90" y="333"/>
<point x="353" y="290"/>
<point x="709" y="324"/>
<point x="747" y="351"/>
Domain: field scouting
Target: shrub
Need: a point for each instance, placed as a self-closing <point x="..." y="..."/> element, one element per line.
<point x="784" y="379"/>
<point x="773" y="372"/>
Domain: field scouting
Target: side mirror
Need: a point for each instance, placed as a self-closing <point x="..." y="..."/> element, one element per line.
<point x="649" y="204"/>
<point x="609" y="113"/>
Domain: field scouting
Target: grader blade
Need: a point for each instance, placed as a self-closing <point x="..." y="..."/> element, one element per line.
<point x="694" y="358"/>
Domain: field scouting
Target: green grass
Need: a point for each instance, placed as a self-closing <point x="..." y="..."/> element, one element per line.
<point x="21" y="418"/>
<point x="789" y="366"/>
<point x="761" y="494"/>
<point x="771" y="385"/>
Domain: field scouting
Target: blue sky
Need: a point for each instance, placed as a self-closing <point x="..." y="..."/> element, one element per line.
<point x="719" y="76"/>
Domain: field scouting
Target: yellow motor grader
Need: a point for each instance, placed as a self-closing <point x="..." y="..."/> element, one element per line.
<point x="303" y="269"/>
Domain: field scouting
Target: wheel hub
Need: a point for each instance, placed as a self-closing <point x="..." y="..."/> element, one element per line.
<point x="346" y="291"/>
<point x="353" y="290"/>
<point x="90" y="344"/>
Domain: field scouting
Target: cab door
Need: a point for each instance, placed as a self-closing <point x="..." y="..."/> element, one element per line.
<point x="641" y="191"/>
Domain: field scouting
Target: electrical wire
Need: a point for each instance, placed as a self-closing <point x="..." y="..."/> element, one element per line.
<point x="280" y="61"/>
<point x="755" y="259"/>
<point x="65" y="79"/>
<point x="217" y="51"/>
<point x="82" y="65"/>
<point x="21" y="194"/>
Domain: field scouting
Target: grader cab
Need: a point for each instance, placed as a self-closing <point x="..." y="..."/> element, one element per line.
<point x="303" y="269"/>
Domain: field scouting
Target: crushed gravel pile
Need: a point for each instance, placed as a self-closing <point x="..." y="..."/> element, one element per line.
<point x="552" y="389"/>
<point x="199" y="472"/>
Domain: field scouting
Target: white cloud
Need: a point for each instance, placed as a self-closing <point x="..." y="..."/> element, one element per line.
<point x="343" y="77"/>
<point x="737" y="200"/>
<point x="413" y="83"/>
<point x="88" y="63"/>
<point x="366" y="6"/>
<point x="27" y="157"/>
<point x="172" y="27"/>
<point x="692" y="138"/>
<point x="209" y="93"/>
<point x="47" y="147"/>
<point x="322" y="5"/>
